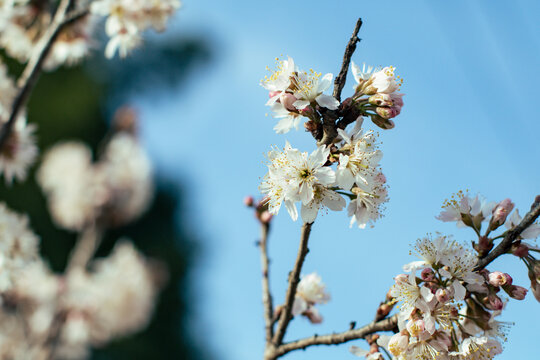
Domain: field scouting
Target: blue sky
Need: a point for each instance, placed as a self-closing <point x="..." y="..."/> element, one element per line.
<point x="469" y="122"/>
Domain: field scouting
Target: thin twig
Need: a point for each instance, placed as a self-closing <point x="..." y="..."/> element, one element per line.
<point x="329" y="116"/>
<point x="505" y="245"/>
<point x="85" y="247"/>
<point x="339" y="82"/>
<point x="266" y="293"/>
<point x="30" y="75"/>
<point x="294" y="278"/>
<point x="338" y="338"/>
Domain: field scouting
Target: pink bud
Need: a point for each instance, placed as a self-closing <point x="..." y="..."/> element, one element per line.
<point x="381" y="100"/>
<point x="498" y="278"/>
<point x="313" y="315"/>
<point x="427" y="274"/>
<point x="500" y="212"/>
<point x="248" y="201"/>
<point x="287" y="100"/>
<point x="518" y="292"/>
<point x="520" y="250"/>
<point x="388" y="112"/>
<point x="494" y="302"/>
<point x="271" y="94"/>
<point x="265" y="217"/>
<point x="442" y="296"/>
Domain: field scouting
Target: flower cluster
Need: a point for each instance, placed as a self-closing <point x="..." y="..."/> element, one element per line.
<point x="450" y="311"/>
<point x="115" y="190"/>
<point x="295" y="176"/>
<point x="295" y="93"/>
<point x="113" y="299"/>
<point x="127" y="19"/>
<point x="310" y="291"/>
<point x="19" y="150"/>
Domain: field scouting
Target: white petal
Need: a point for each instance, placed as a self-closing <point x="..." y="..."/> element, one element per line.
<point x="309" y="213"/>
<point x="327" y="101"/>
<point x="291" y="208"/>
<point x="300" y="104"/>
<point x="325" y="82"/>
<point x="459" y="290"/>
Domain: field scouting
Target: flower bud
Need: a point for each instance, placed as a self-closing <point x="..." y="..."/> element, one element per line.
<point x="498" y="278"/>
<point x="382" y="122"/>
<point x="398" y="344"/>
<point x="427" y="274"/>
<point x="248" y="201"/>
<point x="500" y="213"/>
<point x="381" y="100"/>
<point x="313" y="315"/>
<point x="493" y="302"/>
<point x="388" y="112"/>
<point x="517" y="292"/>
<point x="287" y="100"/>
<point x="520" y="250"/>
<point x="442" y="296"/>
<point x="415" y="327"/>
<point x="534" y="275"/>
<point x="265" y="217"/>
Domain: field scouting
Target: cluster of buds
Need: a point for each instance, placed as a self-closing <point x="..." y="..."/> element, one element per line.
<point x="261" y="209"/>
<point x="384" y="102"/>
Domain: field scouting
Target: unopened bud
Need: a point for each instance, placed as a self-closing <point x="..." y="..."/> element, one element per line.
<point x="484" y="244"/>
<point x="427" y="274"/>
<point x="388" y="112"/>
<point x="442" y="296"/>
<point x="381" y="100"/>
<point x="382" y="122"/>
<point x="516" y="292"/>
<point x="248" y="201"/>
<point x="498" y="278"/>
<point x="500" y="213"/>
<point x="287" y="100"/>
<point x="493" y="302"/>
<point x="265" y="217"/>
<point x="313" y="315"/>
<point x="520" y="250"/>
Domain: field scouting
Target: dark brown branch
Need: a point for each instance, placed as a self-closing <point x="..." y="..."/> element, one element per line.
<point x="30" y="75"/>
<point x="294" y="279"/>
<point x="339" y="82"/>
<point x="512" y="235"/>
<point x="266" y="293"/>
<point x="329" y="116"/>
<point x="339" y="338"/>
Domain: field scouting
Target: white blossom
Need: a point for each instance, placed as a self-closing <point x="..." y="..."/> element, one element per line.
<point x="309" y="88"/>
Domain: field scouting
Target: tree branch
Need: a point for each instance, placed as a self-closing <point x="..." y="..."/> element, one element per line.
<point x="294" y="279"/>
<point x="28" y="79"/>
<point x="505" y="245"/>
<point x="329" y="116"/>
<point x="339" y="82"/>
<point x="266" y="293"/>
<point x="339" y="338"/>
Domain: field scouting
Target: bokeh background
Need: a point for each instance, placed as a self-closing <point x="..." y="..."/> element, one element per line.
<point x="469" y="122"/>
